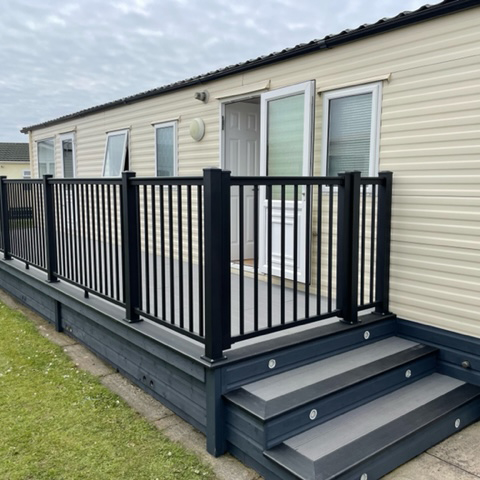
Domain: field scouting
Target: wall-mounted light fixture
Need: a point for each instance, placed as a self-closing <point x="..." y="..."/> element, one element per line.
<point x="202" y="96"/>
<point x="197" y="129"/>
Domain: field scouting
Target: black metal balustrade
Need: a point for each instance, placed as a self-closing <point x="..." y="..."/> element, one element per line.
<point x="304" y="248"/>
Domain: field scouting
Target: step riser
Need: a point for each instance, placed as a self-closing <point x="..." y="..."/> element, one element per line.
<point x="257" y="368"/>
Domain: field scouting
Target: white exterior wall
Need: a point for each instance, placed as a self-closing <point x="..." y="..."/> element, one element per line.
<point x="430" y="139"/>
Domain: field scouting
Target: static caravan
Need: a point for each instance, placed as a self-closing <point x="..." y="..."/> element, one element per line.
<point x="335" y="180"/>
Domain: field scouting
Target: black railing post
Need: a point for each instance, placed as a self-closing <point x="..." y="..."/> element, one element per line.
<point x="217" y="262"/>
<point x="217" y="298"/>
<point x="5" y="224"/>
<point x="347" y="251"/>
<point x="382" y="280"/>
<point x="131" y="248"/>
<point x="50" y="237"/>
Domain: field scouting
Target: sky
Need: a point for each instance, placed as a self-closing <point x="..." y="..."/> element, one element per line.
<point x="61" y="56"/>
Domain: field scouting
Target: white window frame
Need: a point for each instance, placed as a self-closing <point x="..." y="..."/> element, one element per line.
<point x="38" y="156"/>
<point x="175" y="145"/>
<point x="126" y="146"/>
<point x="376" y="90"/>
<point x="69" y="136"/>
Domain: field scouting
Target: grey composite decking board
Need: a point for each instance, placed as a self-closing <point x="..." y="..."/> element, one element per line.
<point x="297" y="421"/>
<point x="325" y="345"/>
<point x="180" y="398"/>
<point x="292" y="380"/>
<point x="295" y="417"/>
<point x="34" y="298"/>
<point x="388" y="446"/>
<point x="454" y="348"/>
<point x="141" y="361"/>
<point x="283" y="400"/>
<point x="328" y="437"/>
<point x="438" y="337"/>
<point x="274" y="342"/>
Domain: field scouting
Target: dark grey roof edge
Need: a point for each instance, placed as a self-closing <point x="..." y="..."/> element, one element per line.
<point x="426" y="12"/>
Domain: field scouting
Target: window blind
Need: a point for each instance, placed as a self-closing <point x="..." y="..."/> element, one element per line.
<point x="349" y="130"/>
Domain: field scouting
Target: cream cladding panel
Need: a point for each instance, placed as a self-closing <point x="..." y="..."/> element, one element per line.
<point x="430" y="139"/>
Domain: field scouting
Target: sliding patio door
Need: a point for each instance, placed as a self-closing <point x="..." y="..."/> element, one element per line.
<point x="286" y="150"/>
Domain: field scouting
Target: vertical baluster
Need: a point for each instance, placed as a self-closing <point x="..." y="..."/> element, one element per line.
<point x="330" y="248"/>
<point x="162" y="249"/>
<point x="180" y="255"/>
<point x="88" y="213"/>
<point x="154" y="251"/>
<point x="319" y="248"/>
<point x="172" y="272"/>
<point x="94" y="237"/>
<point x="104" y="242"/>
<point x="146" y="307"/>
<point x="372" y="242"/>
<point x="269" y="259"/>
<point x="84" y="236"/>
<point x="190" y="259"/>
<point x="295" y="253"/>
<point x="308" y="218"/>
<point x="111" y="290"/>
<point x="242" y="260"/>
<point x="282" y="255"/>
<point x="362" y="246"/>
<point x="75" y="233"/>
<point x="117" y="246"/>
<point x="255" y="257"/>
<point x="201" y="327"/>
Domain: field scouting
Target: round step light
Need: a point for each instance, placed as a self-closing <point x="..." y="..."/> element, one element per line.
<point x="408" y="373"/>
<point x="272" y="364"/>
<point x="366" y="335"/>
<point x="457" y="423"/>
<point x="313" y="414"/>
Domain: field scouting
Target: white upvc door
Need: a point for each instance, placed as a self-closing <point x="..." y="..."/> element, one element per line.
<point x="286" y="150"/>
<point x="242" y="134"/>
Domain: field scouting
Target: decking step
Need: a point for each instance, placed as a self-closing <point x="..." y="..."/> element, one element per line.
<point x="291" y="402"/>
<point x="382" y="434"/>
<point x="275" y="395"/>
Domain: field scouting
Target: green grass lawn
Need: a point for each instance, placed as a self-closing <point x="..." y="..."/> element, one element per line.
<point x="57" y="422"/>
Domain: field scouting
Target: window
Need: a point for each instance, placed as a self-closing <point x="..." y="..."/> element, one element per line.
<point x="68" y="155"/>
<point x="116" y="153"/>
<point x="166" y="149"/>
<point x="351" y="126"/>
<point x="46" y="157"/>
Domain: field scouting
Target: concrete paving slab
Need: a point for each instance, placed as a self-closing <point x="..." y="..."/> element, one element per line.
<point x="225" y="467"/>
<point x="86" y="360"/>
<point x="167" y="422"/>
<point x="461" y="450"/>
<point x="140" y="401"/>
<point x="427" y="467"/>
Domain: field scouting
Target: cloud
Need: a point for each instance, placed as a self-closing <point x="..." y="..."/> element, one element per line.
<point x="60" y="56"/>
